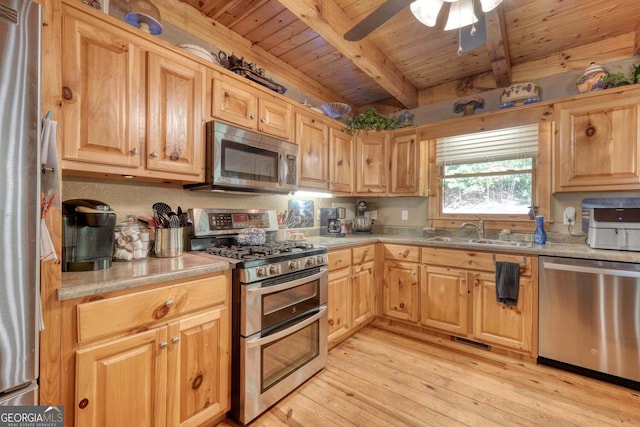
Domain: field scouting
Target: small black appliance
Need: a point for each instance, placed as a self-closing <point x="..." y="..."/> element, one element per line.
<point x="88" y="234"/>
<point x="331" y="220"/>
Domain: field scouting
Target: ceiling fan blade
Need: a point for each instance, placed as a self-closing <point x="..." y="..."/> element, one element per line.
<point x="378" y="17"/>
<point x="469" y="42"/>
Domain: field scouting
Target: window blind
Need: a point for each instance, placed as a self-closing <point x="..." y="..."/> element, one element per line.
<point x="508" y="143"/>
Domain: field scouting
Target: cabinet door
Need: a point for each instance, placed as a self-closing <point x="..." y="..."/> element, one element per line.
<point x="363" y="306"/>
<point x="598" y="143"/>
<point x="443" y="299"/>
<point x="371" y="166"/>
<point x="313" y="136"/>
<point x="400" y="290"/>
<point x="199" y="367"/>
<point x="339" y="303"/>
<point x="123" y="382"/>
<point x="103" y="95"/>
<point x="403" y="158"/>
<point x="275" y="117"/>
<point x="341" y="152"/>
<point x="234" y="102"/>
<point x="497" y="323"/>
<point x="174" y="122"/>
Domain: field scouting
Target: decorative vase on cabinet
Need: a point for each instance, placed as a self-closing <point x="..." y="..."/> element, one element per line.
<point x="593" y="78"/>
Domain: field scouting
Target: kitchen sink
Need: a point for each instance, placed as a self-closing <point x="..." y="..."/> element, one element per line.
<point x="499" y="242"/>
<point x="478" y="241"/>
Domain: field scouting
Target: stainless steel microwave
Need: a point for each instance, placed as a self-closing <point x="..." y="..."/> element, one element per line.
<point x="242" y="160"/>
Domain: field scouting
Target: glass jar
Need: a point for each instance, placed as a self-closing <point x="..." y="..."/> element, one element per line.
<point x="131" y="241"/>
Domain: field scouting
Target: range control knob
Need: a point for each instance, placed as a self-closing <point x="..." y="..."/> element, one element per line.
<point x="293" y="265"/>
<point x="261" y="272"/>
<point x="320" y="260"/>
<point x="311" y="262"/>
<point x="274" y="269"/>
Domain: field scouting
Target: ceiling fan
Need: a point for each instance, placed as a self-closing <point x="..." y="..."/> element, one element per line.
<point x="462" y="14"/>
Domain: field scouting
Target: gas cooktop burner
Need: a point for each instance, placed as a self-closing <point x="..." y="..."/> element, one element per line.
<point x="259" y="251"/>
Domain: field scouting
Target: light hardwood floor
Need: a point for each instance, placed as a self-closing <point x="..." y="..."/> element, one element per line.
<point x="379" y="378"/>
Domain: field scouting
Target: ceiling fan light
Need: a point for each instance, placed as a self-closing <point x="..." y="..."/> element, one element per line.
<point x="460" y="15"/>
<point x="489" y="5"/>
<point x="426" y="11"/>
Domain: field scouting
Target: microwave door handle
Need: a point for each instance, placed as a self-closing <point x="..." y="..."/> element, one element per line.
<point x="288" y="285"/>
<point x="282" y="171"/>
<point x="259" y="341"/>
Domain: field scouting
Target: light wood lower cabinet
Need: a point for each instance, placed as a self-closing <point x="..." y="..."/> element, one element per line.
<point x="168" y="367"/>
<point x="400" y="282"/>
<point x="351" y="302"/>
<point x="458" y="296"/>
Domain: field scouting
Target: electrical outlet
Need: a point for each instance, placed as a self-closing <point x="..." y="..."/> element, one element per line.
<point x="405" y="215"/>
<point x="374" y="215"/>
<point x="569" y="216"/>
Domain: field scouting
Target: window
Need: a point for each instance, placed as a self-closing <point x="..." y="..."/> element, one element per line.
<point x="488" y="173"/>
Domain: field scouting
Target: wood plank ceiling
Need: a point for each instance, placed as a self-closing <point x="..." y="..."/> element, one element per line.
<point x="406" y="64"/>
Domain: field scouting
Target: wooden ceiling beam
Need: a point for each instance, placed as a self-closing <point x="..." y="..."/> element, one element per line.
<point x="329" y="20"/>
<point x="497" y="46"/>
<point x="190" y="20"/>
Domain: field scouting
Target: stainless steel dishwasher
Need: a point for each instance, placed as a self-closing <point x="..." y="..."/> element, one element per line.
<point x="589" y="318"/>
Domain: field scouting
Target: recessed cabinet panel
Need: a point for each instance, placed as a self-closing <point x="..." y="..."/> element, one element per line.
<point x="175" y="116"/>
<point x="341" y="165"/>
<point x="371" y="169"/>
<point x="403" y="160"/>
<point x="313" y="137"/>
<point x="597" y="147"/>
<point x="102" y="95"/>
<point x="443" y="299"/>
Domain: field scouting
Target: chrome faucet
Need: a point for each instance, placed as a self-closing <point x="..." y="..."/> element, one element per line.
<point x="479" y="227"/>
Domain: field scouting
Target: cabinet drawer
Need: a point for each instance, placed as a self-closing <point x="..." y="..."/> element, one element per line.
<point x="339" y="259"/>
<point x="402" y="252"/>
<point x="484" y="261"/>
<point x="363" y="254"/>
<point x="132" y="312"/>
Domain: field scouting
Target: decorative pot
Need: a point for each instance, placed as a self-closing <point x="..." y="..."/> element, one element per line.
<point x="520" y="92"/>
<point x="593" y="78"/>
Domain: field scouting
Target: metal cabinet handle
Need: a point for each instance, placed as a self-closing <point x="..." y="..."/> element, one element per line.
<point x="163" y="345"/>
<point x="263" y="120"/>
<point x="476" y="282"/>
<point x="175" y="340"/>
<point x="168" y="303"/>
<point x="252" y="116"/>
<point x="155" y="154"/>
<point x="135" y="151"/>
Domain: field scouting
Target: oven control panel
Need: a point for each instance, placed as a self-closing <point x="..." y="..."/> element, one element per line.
<point x="273" y="269"/>
<point x="207" y="222"/>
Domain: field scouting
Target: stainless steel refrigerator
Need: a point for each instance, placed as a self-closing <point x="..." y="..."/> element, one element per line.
<point x="20" y="47"/>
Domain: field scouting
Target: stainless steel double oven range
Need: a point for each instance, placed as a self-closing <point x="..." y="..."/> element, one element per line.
<point x="279" y="307"/>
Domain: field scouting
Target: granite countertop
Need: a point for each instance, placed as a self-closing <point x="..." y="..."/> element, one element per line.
<point x="125" y="275"/>
<point x="570" y="250"/>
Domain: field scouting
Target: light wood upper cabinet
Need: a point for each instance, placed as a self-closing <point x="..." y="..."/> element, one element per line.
<point x="103" y="94"/>
<point x="403" y="159"/>
<point x="130" y="107"/>
<point x="371" y="163"/>
<point x="175" y="125"/>
<point x="237" y="102"/>
<point x="341" y="165"/>
<point x="597" y="145"/>
<point x="312" y="134"/>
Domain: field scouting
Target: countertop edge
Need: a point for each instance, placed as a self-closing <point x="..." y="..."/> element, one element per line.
<point x="129" y="275"/>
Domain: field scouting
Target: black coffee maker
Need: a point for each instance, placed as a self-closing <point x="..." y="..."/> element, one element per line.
<point x="88" y="233"/>
<point x="331" y="221"/>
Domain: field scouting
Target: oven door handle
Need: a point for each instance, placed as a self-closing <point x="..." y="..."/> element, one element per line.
<point x="258" y="341"/>
<point x="287" y="285"/>
<point x="591" y="270"/>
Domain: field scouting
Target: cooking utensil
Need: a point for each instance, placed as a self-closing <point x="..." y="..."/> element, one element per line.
<point x="161" y="207"/>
